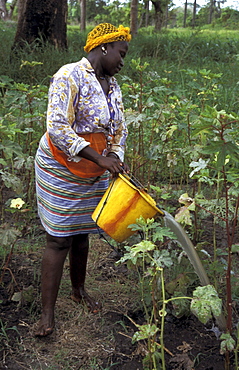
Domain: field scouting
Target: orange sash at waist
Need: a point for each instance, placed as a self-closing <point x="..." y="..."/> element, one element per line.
<point x="84" y="168"/>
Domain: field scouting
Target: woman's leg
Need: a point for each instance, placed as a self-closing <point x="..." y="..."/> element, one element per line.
<point x="52" y="267"/>
<point x="78" y="261"/>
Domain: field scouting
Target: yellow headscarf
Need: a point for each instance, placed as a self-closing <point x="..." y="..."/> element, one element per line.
<point x="105" y="33"/>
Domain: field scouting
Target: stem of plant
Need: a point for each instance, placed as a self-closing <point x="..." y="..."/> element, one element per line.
<point x="229" y="262"/>
<point x="162" y="320"/>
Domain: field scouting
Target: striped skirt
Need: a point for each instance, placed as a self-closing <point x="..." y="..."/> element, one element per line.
<point x="65" y="201"/>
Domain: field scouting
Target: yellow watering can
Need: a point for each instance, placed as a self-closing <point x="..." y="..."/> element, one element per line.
<point x="123" y="202"/>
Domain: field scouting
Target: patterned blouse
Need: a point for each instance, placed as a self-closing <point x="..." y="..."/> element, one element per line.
<point x="78" y="105"/>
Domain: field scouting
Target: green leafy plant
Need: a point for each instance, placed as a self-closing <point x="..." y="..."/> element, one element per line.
<point x="4" y="333"/>
<point x="151" y="262"/>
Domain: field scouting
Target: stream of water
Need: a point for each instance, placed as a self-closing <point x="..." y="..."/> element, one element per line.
<point x="189" y="248"/>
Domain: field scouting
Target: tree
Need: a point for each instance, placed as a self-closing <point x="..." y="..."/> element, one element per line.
<point x="12" y="7"/>
<point x="41" y="21"/>
<point x="160" y="7"/>
<point x="99" y="11"/>
<point x="3" y="9"/>
<point x="144" y="21"/>
<point x="158" y="14"/>
<point x="134" y="17"/>
<point x="211" y="11"/>
<point x="194" y="13"/>
<point x="82" y="14"/>
<point x="185" y="14"/>
<point x="7" y="11"/>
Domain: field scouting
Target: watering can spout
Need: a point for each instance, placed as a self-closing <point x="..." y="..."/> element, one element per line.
<point x="160" y="211"/>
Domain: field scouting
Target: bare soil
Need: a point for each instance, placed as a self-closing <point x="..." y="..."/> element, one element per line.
<point x="83" y="340"/>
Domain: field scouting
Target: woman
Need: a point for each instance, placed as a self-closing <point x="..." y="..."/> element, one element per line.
<point x="85" y="137"/>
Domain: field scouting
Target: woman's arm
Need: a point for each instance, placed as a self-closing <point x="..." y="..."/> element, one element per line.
<point x="61" y="115"/>
<point x="111" y="163"/>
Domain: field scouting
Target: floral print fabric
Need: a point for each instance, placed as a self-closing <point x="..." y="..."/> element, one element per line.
<point x="78" y="105"/>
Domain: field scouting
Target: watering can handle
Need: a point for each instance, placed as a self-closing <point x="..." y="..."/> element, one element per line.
<point x="135" y="182"/>
<point x="130" y="177"/>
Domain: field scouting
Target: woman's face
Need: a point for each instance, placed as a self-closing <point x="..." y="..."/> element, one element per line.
<point x="113" y="61"/>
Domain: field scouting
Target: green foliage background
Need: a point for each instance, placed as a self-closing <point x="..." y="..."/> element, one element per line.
<point x="180" y="89"/>
<point x="168" y="80"/>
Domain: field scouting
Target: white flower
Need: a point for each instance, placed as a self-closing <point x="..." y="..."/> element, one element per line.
<point x="17" y="203"/>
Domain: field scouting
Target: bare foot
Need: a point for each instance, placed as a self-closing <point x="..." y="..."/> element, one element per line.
<point x="46" y="325"/>
<point x="80" y="296"/>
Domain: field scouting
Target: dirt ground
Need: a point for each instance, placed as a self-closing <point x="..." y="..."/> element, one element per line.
<point x="84" y="340"/>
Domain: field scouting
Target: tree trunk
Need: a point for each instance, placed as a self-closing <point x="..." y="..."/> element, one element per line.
<point x="194" y="13"/>
<point x="144" y="20"/>
<point x="166" y="18"/>
<point x="134" y="17"/>
<point x="185" y="14"/>
<point x="158" y="14"/>
<point x="211" y="9"/>
<point x="82" y="15"/>
<point x="3" y="10"/>
<point x="12" y="7"/>
<point x="146" y="13"/>
<point x="41" y="21"/>
<point x="219" y="10"/>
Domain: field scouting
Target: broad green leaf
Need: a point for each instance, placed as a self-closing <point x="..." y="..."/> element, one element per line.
<point x="142" y="247"/>
<point x="206" y="303"/>
<point x="179" y="283"/>
<point x="12" y="181"/>
<point x="227" y="344"/>
<point x="145" y="332"/>
<point x="235" y="248"/>
<point x="162" y="258"/>
<point x="137" y="251"/>
<point x="9" y="235"/>
<point x="181" y="307"/>
<point x="10" y="148"/>
<point x="161" y="232"/>
<point x="183" y="216"/>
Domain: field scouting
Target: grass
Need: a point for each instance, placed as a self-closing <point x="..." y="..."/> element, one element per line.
<point x="171" y="49"/>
